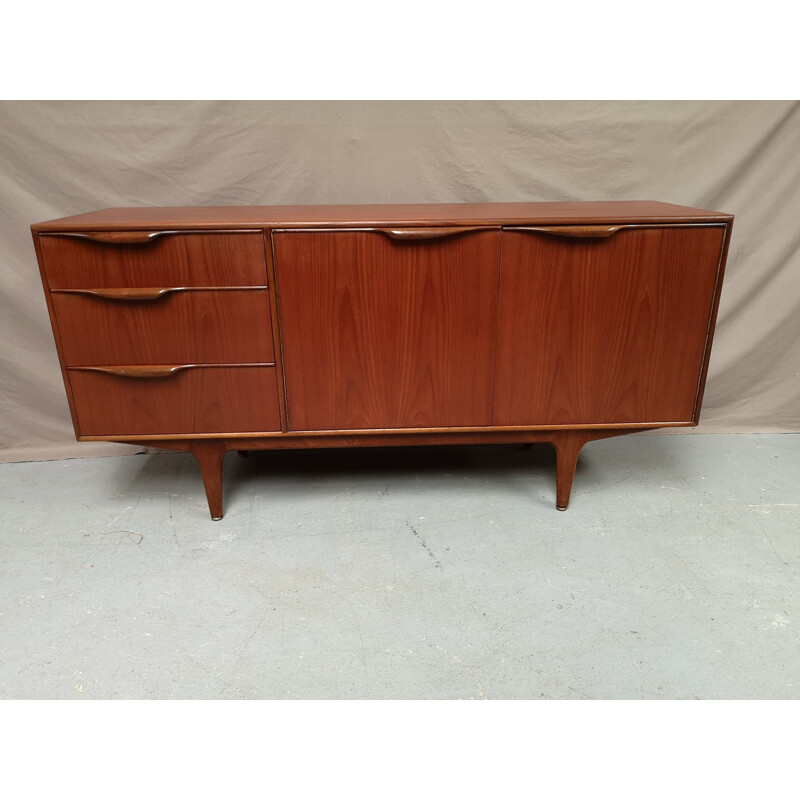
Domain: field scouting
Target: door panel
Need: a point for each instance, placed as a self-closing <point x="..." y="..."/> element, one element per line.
<point x="604" y="330"/>
<point x="379" y="332"/>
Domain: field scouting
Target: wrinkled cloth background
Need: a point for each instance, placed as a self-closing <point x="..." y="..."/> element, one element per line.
<point x="62" y="158"/>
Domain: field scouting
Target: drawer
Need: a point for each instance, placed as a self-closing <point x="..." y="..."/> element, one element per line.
<point x="78" y="261"/>
<point x="188" y="400"/>
<point x="165" y="326"/>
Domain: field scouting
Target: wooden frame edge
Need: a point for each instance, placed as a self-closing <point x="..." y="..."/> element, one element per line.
<point x="56" y="335"/>
<point x="234" y="442"/>
<point x="712" y="322"/>
<point x="389" y="436"/>
<point x="277" y="338"/>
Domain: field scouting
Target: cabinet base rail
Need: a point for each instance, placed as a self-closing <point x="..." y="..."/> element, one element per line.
<point x="210" y="453"/>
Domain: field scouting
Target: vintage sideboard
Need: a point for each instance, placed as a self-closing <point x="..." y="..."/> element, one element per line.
<point x="239" y="328"/>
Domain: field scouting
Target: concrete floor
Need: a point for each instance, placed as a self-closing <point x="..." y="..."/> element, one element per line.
<point x="413" y="573"/>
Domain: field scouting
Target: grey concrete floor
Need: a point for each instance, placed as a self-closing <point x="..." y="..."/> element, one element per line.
<point x="413" y="573"/>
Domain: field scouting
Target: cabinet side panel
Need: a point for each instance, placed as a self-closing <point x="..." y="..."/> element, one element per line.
<point x="380" y="333"/>
<point x="713" y="321"/>
<point x="604" y="331"/>
<point x="37" y="243"/>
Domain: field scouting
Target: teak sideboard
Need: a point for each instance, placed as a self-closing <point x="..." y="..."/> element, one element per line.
<point x="239" y="328"/>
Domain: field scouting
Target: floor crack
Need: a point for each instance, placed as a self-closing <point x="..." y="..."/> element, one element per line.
<point x="423" y="543"/>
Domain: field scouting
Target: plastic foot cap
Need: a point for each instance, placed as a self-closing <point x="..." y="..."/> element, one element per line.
<point x="216" y="519"/>
<point x="561" y="508"/>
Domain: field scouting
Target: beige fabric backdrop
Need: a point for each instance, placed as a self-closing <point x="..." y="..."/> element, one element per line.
<point x="60" y="158"/>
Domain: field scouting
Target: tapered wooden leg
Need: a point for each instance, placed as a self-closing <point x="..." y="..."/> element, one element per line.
<point x="567" y="446"/>
<point x="209" y="455"/>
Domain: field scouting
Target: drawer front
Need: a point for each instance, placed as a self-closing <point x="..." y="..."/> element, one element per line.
<point x="177" y="327"/>
<point x="169" y="259"/>
<point x="191" y="400"/>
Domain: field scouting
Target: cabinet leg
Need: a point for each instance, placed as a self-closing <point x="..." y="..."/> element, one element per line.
<point x="567" y="447"/>
<point x="209" y="455"/>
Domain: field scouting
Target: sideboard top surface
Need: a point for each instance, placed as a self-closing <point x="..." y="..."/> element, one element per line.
<point x="238" y="217"/>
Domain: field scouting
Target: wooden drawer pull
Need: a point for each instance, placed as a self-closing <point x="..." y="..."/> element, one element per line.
<point x="122" y="294"/>
<point x="159" y="371"/>
<point x="412" y="234"/>
<point x="118" y="237"/>
<point x="575" y="231"/>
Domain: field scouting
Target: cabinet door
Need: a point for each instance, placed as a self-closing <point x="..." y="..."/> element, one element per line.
<point x="604" y="330"/>
<point x="380" y="333"/>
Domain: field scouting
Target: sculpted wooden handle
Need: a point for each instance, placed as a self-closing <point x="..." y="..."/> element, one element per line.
<point x="123" y="294"/>
<point x="119" y="237"/>
<point x="410" y="234"/>
<point x="158" y="371"/>
<point x="152" y="292"/>
<point x="574" y="231"/>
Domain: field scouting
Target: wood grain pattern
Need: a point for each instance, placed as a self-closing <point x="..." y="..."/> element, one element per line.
<point x="193" y="259"/>
<point x="384" y="334"/>
<point x="219" y="400"/>
<point x="435" y="214"/>
<point x="604" y="331"/>
<point x="183" y="327"/>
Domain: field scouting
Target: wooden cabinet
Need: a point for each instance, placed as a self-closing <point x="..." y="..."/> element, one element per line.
<point x="211" y="329"/>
